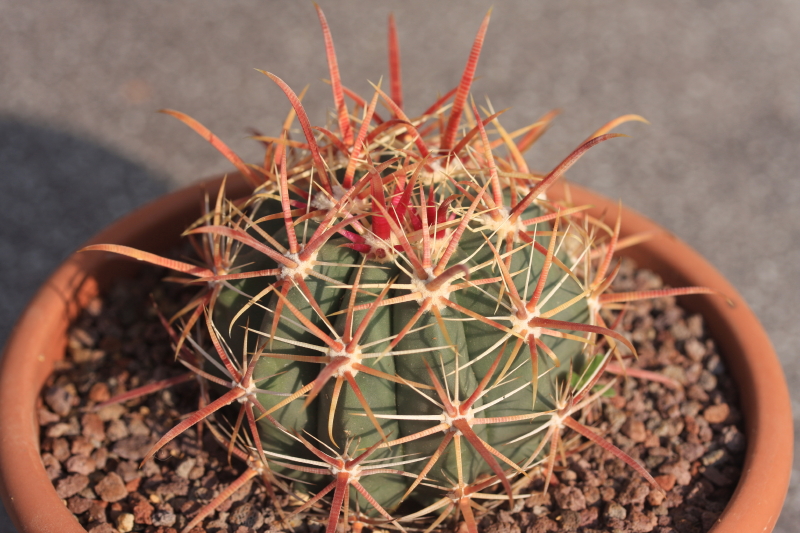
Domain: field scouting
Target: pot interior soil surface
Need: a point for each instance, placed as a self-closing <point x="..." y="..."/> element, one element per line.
<point x="685" y="428"/>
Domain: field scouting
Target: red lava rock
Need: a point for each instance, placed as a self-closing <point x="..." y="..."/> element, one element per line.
<point x="128" y="471"/>
<point x="143" y="512"/>
<point x="607" y="493"/>
<point x="47" y="417"/>
<point x="63" y="429"/>
<point x="679" y="469"/>
<point x="100" y="456"/>
<point x="177" y="487"/>
<point x="652" y="441"/>
<point x="634" y="429"/>
<point x="51" y="466"/>
<point x="110" y="412"/>
<point x="618" y="402"/>
<point x="71" y="485"/>
<point x="117" y="430"/>
<point x="99" y="393"/>
<point x="60" y="400"/>
<point x="691" y="451"/>
<point x="589" y="516"/>
<point x="111" y="488"/>
<point x="183" y="469"/>
<point x="655" y="498"/>
<point x="249" y="516"/>
<point x="133" y="485"/>
<point x="103" y="528"/>
<point x="164" y="516"/>
<point x="61" y="449"/>
<point x="717" y="414"/>
<point x="97" y="512"/>
<point x="615" y="510"/>
<point x="641" y="522"/>
<point x="79" y="504"/>
<point x="136" y="425"/>
<point x="80" y="464"/>
<point x="667" y="481"/>
<point x="542" y="524"/>
<point x="93" y="427"/>
<point x="133" y="448"/>
<point x="570" y="498"/>
<point x="591" y="494"/>
<point x="635" y="492"/>
<point x="81" y="446"/>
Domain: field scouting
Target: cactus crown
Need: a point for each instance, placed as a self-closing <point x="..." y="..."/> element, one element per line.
<point x="405" y="320"/>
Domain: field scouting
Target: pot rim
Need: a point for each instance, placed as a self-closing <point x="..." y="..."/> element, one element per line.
<point x="29" y="356"/>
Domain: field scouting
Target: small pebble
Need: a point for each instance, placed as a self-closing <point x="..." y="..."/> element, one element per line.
<point x="99" y="393"/>
<point x="125" y="522"/>
<point x="111" y="488"/>
<point x="110" y="412"/>
<point x="92" y="427"/>
<point x="80" y="464"/>
<point x="47" y="417"/>
<point x="667" y="481"/>
<point x="635" y="430"/>
<point x="60" y="400"/>
<point x="570" y="498"/>
<point x="143" y="512"/>
<point x="164" y="516"/>
<point x="184" y="469"/>
<point x="79" y="504"/>
<point x="117" y="430"/>
<point x="615" y="510"/>
<point x="97" y="511"/>
<point x="717" y="414"/>
<point x="714" y="457"/>
<point x="71" y="485"/>
<point x="103" y="528"/>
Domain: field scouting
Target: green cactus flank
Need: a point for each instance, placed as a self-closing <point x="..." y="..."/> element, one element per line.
<point x="404" y="320"/>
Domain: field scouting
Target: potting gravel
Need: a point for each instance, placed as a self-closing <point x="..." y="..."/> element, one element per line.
<point x="689" y="437"/>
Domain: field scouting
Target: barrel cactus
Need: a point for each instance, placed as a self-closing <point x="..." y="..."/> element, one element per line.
<point x="405" y="320"/>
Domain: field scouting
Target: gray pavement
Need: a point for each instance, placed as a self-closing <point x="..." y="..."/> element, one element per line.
<point x="80" y="143"/>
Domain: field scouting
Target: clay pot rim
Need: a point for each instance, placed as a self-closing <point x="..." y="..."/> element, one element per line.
<point x="34" y="506"/>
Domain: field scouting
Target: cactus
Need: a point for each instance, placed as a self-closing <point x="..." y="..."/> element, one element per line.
<point x="404" y="319"/>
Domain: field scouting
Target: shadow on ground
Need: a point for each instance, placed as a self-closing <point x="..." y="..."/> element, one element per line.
<point x="57" y="191"/>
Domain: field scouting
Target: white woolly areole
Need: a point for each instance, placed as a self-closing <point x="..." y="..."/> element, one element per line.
<point x="520" y="325"/>
<point x="503" y="227"/>
<point x="327" y="201"/>
<point x="438" y="173"/>
<point x="303" y="268"/>
<point x="421" y="287"/>
<point x="248" y="391"/>
<point x="450" y="420"/>
<point x="354" y="357"/>
<point x="593" y="303"/>
<point x="354" y="471"/>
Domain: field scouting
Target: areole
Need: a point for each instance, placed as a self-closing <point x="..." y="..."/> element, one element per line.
<point x="39" y="340"/>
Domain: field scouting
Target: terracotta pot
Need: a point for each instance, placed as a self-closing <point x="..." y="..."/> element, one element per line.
<point x="39" y="339"/>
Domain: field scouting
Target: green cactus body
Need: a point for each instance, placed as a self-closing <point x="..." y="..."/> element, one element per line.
<point x="476" y="345"/>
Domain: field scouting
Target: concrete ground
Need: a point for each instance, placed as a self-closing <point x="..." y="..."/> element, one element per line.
<point x="80" y="143"/>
